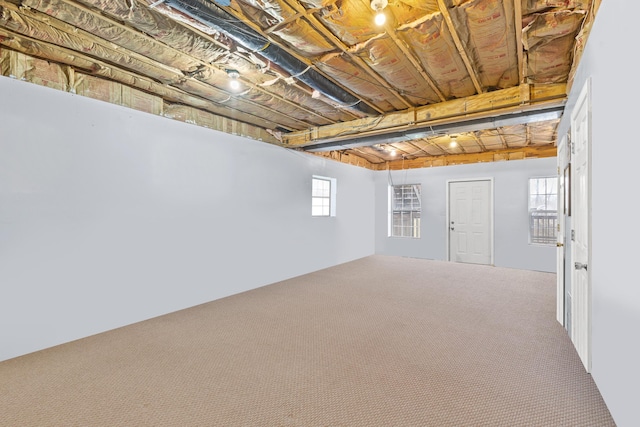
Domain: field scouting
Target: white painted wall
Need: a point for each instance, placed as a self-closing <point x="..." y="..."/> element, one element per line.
<point x="512" y="248"/>
<point x="610" y="62"/>
<point x="109" y="216"/>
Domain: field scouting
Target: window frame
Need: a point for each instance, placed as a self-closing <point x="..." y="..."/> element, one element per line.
<point x="415" y="227"/>
<point x="329" y="196"/>
<point x="543" y="228"/>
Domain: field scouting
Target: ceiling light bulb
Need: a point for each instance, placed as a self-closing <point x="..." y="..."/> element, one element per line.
<point x="453" y="143"/>
<point x="234" y="75"/>
<point x="378" y="6"/>
<point x="393" y="153"/>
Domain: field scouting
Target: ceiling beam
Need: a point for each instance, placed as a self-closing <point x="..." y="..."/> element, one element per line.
<point x="348" y="158"/>
<point x="503" y="140"/>
<point x="420" y="122"/>
<point x="45" y="16"/>
<point x="414" y="61"/>
<point x="322" y="29"/>
<point x="517" y="7"/>
<point x="456" y="39"/>
<point x="91" y="66"/>
<point x="238" y="14"/>
<point x="456" y="159"/>
<point x="478" y="141"/>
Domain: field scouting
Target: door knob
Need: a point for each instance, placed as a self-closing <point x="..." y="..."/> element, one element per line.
<point x="559" y="245"/>
<point x="580" y="266"/>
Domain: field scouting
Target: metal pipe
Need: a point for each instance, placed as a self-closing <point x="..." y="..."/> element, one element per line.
<point x="417" y="131"/>
<point x="208" y="14"/>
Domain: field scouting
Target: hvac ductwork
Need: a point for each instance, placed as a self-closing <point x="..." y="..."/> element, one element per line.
<point x="525" y="116"/>
<point x="208" y="14"/>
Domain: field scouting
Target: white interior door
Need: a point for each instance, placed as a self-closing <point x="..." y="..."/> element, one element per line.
<point x="581" y="228"/>
<point x="470" y="222"/>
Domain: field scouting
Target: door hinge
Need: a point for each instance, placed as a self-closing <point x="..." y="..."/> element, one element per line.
<point x="573" y="235"/>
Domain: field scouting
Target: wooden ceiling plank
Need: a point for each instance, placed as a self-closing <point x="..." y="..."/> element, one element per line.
<point x="399" y="150"/>
<point x="413" y="144"/>
<point x="489" y="156"/>
<point x="11" y="39"/>
<point x="414" y="61"/>
<point x="459" y="46"/>
<point x="478" y="141"/>
<point x="257" y="87"/>
<point x="65" y="27"/>
<point x="322" y="29"/>
<point x="502" y="138"/>
<point x="517" y="7"/>
<point x="483" y="105"/>
<point x="348" y="158"/>
<point x="284" y="22"/>
<point x="240" y="16"/>
<point x="368" y="153"/>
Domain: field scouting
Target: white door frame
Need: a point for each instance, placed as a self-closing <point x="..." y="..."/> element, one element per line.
<point x="581" y="307"/>
<point x="562" y="162"/>
<point x="491" y="214"/>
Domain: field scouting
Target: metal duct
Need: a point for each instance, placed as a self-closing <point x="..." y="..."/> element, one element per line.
<point x="424" y="131"/>
<point x="241" y="33"/>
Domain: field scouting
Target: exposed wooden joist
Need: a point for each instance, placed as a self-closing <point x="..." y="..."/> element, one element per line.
<point x="414" y="61"/>
<point x="120" y="56"/>
<point x="315" y="23"/>
<point x="299" y="86"/>
<point x="503" y="141"/>
<point x="517" y="8"/>
<point x="284" y="22"/>
<point x="456" y="39"/>
<point x="478" y="141"/>
<point x="240" y="16"/>
<point x="91" y="66"/>
<point x="461" y="147"/>
<point x="581" y="39"/>
<point x="350" y="159"/>
<point x="489" y="156"/>
<point x="488" y="104"/>
<point x="45" y="18"/>
<point x="415" y="153"/>
<point x="404" y="153"/>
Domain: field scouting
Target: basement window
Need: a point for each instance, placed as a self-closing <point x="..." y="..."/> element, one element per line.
<point x="323" y="196"/>
<point x="405" y="203"/>
<point x="543" y="210"/>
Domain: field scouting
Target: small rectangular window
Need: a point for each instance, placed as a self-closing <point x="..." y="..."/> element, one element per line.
<point x="406" y="206"/>
<point x="323" y="198"/>
<point x="543" y="210"/>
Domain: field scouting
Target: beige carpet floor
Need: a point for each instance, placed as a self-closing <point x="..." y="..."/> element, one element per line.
<point x="381" y="341"/>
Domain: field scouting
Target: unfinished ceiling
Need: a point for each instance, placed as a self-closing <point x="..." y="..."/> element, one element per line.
<point x="441" y="82"/>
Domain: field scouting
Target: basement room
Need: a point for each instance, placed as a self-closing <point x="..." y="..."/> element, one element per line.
<point x="317" y="213"/>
